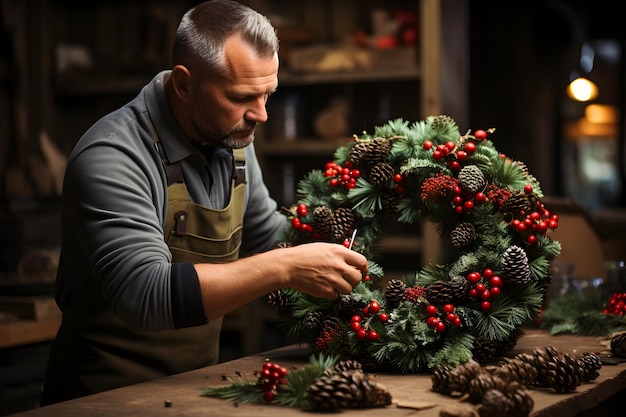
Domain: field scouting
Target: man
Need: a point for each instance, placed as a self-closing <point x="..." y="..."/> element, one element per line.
<point x="167" y="224"/>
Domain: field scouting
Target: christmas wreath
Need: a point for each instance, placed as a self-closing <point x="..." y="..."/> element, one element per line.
<point x="490" y="279"/>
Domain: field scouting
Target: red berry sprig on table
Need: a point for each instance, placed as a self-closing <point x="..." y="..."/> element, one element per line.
<point x="437" y="318"/>
<point x="535" y="223"/>
<point x="270" y="377"/>
<point x="616" y="304"/>
<point x="484" y="287"/>
<point x="360" y="324"/>
<point x="342" y="176"/>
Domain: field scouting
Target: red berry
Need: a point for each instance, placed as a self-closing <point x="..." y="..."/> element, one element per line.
<point x="361" y="334"/>
<point x="473" y="277"/>
<point x="372" y="335"/>
<point x="485" y="306"/>
<point x="495" y="291"/>
<point x="462" y="155"/>
<point x="450" y="145"/>
<point x="454" y="165"/>
<point x="488" y="273"/>
<point x="531" y="239"/>
<point x="306" y="228"/>
<point x="472" y="292"/>
<point x="346" y="243"/>
<point x="495" y="281"/>
<point x="480" y="287"/>
<point x="485" y="295"/>
<point x="432" y="322"/>
<point x="456" y="322"/>
<point x="296" y="223"/>
<point x="431" y="310"/>
<point x="480" y="134"/>
<point x="384" y="317"/>
<point x="398" y="178"/>
<point x="427" y="144"/>
<point x="374" y="307"/>
<point x="268" y="396"/>
<point x="441" y="327"/>
<point x="528" y="188"/>
<point x="356" y="317"/>
<point x="468" y="205"/>
<point x="437" y="155"/>
<point x="355" y="325"/>
<point x="355" y="173"/>
<point x="448" y="308"/>
<point x="451" y="317"/>
<point x="302" y="210"/>
<point x="470" y="147"/>
<point x="480" y="197"/>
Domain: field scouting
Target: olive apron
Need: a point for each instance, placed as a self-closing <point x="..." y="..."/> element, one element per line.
<point x="103" y="352"/>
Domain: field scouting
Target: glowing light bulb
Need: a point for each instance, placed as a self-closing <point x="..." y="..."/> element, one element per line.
<point x="581" y="89"/>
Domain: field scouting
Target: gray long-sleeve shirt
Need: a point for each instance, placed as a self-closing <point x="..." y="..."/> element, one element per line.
<point x="115" y="202"/>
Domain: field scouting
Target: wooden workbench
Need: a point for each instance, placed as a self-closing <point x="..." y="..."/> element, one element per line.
<point x="179" y="395"/>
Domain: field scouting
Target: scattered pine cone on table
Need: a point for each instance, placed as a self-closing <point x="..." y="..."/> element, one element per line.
<point x="618" y="345"/>
<point x="447" y="380"/>
<point x="347" y="389"/>
<point x="590" y="363"/>
<point x="344" y="365"/>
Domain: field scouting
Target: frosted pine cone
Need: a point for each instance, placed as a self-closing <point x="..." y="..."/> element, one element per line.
<point x="515" y="267"/>
<point x="471" y="179"/>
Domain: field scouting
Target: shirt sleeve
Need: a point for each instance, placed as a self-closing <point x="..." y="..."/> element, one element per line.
<point x="113" y="198"/>
<point x="187" y="307"/>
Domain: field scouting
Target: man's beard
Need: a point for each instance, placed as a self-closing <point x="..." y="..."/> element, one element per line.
<point x="233" y="139"/>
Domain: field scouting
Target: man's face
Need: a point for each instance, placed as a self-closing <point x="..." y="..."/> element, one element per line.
<point x="225" y="111"/>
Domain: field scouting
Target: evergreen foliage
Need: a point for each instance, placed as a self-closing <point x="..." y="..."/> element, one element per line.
<point x="426" y="157"/>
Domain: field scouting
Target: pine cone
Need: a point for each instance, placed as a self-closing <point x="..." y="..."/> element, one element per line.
<point x="589" y="364"/>
<point x="322" y="219"/>
<point x="278" y="300"/>
<point x="314" y="319"/>
<point x="439" y="292"/>
<point x="378" y="150"/>
<point x="495" y="403"/>
<point x="389" y="202"/>
<point x="344" y="365"/>
<point x="555" y="370"/>
<point x="459" y="286"/>
<point x="394" y="293"/>
<point x="482" y="383"/>
<point x="350" y="306"/>
<point x="358" y="154"/>
<point x="460" y="377"/>
<point x="471" y="179"/>
<point x="484" y="350"/>
<point x="516" y="370"/>
<point x="618" y="345"/>
<point x="442" y="124"/>
<point x="347" y="389"/>
<point x="462" y="235"/>
<point x="515" y="267"/>
<point x="522" y="402"/>
<point x="517" y="204"/>
<point x="381" y="174"/>
<point x="343" y="222"/>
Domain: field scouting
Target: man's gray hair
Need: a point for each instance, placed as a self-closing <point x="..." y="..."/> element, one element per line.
<point x="204" y="29"/>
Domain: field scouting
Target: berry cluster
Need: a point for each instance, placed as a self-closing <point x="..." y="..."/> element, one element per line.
<point x="535" y="223"/>
<point x="454" y="155"/>
<point x="360" y="324"/>
<point x="437" y="319"/>
<point x="345" y="176"/>
<point x="270" y="377"/>
<point x="617" y="304"/>
<point x="484" y="286"/>
<point x="297" y="222"/>
<point x="464" y="202"/>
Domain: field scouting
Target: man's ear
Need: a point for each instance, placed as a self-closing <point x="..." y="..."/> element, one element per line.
<point x="181" y="79"/>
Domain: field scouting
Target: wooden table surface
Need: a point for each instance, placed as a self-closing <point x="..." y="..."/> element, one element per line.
<point x="182" y="392"/>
